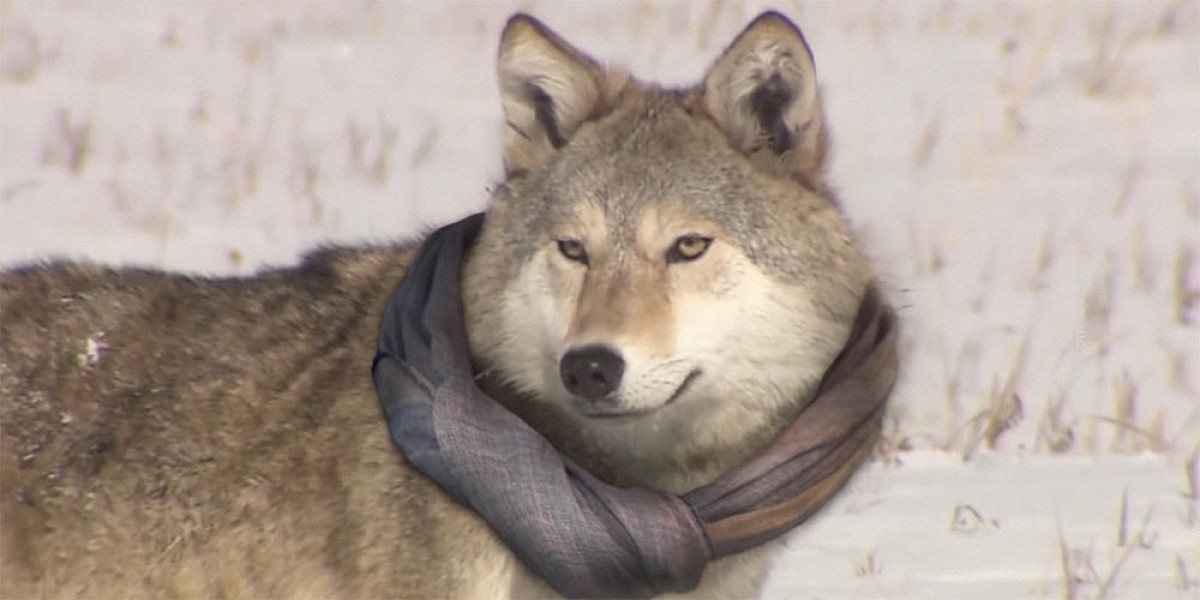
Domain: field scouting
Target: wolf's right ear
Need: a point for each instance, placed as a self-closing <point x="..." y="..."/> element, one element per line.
<point x="763" y="93"/>
<point x="548" y="89"/>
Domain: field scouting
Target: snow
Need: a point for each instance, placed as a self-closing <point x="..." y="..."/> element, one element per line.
<point x="995" y="528"/>
<point x="1026" y="176"/>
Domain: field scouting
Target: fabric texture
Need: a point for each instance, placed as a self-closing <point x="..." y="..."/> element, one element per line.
<point x="586" y="538"/>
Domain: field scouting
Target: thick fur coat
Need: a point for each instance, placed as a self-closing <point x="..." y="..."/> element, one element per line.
<point x="168" y="436"/>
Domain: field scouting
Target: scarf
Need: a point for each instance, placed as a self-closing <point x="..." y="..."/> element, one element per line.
<point x="584" y="537"/>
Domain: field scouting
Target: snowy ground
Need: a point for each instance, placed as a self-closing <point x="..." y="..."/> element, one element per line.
<point x="1027" y="175"/>
<point x="1000" y="527"/>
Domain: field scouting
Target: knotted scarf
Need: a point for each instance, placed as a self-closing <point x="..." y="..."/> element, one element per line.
<point x="584" y="537"/>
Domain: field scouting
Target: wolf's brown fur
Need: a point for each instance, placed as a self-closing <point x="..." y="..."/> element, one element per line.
<point x="170" y="436"/>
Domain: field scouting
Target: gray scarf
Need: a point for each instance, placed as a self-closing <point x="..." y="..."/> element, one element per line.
<point x="584" y="537"/>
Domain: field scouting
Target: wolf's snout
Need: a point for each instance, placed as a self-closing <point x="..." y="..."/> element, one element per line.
<point x="592" y="372"/>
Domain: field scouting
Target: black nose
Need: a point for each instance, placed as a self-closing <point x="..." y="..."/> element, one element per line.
<point x="591" y="372"/>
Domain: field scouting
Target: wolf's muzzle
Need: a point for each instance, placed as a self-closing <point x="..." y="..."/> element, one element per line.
<point x="592" y="372"/>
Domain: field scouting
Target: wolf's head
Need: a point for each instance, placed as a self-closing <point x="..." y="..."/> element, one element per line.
<point x="663" y="272"/>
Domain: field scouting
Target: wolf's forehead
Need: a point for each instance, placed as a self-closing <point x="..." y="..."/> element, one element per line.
<point x="651" y="154"/>
<point x="627" y="207"/>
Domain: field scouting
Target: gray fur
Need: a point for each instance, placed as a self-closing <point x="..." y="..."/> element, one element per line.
<point x="171" y="436"/>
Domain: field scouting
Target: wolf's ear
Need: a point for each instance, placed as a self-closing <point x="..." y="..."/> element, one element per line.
<point x="763" y="93"/>
<point x="548" y="89"/>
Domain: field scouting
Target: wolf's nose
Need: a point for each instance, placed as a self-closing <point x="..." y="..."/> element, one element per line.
<point x="591" y="372"/>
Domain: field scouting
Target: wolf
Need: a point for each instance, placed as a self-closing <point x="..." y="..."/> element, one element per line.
<point x="651" y="255"/>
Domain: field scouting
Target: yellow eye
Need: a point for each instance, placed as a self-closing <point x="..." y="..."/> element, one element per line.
<point x="573" y="249"/>
<point x="688" y="247"/>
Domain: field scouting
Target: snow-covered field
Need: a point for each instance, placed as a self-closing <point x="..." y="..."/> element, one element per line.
<point x="1026" y="175"/>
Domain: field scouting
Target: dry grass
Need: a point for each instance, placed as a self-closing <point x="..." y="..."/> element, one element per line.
<point x="1098" y="309"/>
<point x="1038" y="280"/>
<point x="22" y="56"/>
<point x="1129" y="436"/>
<point x="370" y="153"/>
<point x="1185" y="292"/>
<point x="1056" y="432"/>
<point x="1184" y="581"/>
<point x="1081" y="579"/>
<point x="869" y="565"/>
<point x="69" y="142"/>
<point x="1108" y="72"/>
<point x="307" y="179"/>
<point x="1133" y="174"/>
<point x="1145" y="271"/>
<point x="1004" y="409"/>
<point x="927" y="142"/>
<point x="891" y="442"/>
<point x="958" y="372"/>
<point x="1191" y="494"/>
<point x="1172" y="18"/>
<point x="1016" y="88"/>
<point x="389" y="135"/>
<point x="425" y="146"/>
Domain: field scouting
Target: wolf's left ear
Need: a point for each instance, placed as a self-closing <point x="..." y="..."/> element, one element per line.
<point x="763" y="93"/>
<point x="548" y="89"/>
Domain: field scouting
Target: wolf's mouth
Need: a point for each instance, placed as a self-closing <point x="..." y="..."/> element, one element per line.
<point x="617" y="413"/>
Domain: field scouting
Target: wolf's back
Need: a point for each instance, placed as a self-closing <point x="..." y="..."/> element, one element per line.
<point x="168" y="435"/>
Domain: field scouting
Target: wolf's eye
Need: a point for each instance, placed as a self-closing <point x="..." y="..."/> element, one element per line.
<point x="688" y="247"/>
<point x="573" y="249"/>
